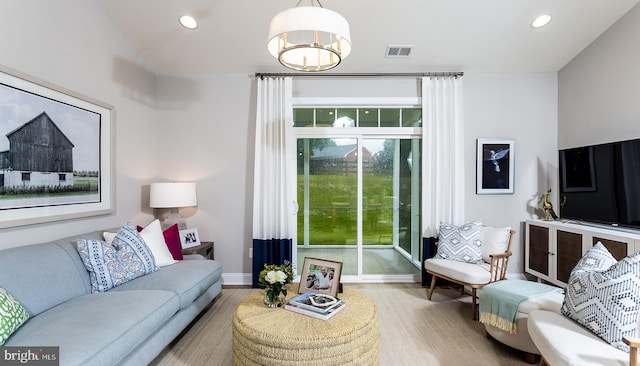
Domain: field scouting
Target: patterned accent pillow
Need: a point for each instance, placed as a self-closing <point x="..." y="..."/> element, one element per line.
<point x="597" y="258"/>
<point x="127" y="257"/>
<point x="12" y="315"/>
<point x="605" y="300"/>
<point x="128" y="235"/>
<point x="460" y="243"/>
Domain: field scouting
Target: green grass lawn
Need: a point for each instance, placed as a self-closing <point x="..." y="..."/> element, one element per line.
<point x="81" y="186"/>
<point x="332" y="210"/>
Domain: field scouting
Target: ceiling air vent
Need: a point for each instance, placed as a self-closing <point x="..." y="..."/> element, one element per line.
<point x="398" y="51"/>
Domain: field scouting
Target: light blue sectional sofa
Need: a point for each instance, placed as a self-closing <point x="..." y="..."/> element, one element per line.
<point x="127" y="325"/>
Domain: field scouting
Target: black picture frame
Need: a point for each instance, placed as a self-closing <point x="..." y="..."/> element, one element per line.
<point x="495" y="166"/>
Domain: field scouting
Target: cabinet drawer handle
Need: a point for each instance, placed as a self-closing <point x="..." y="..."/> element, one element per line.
<point x="551" y="253"/>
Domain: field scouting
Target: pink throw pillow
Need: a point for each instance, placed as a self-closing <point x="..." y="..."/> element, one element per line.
<point x="172" y="237"/>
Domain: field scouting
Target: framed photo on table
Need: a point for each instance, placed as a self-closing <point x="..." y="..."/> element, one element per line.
<point x="320" y="276"/>
<point x="189" y="238"/>
<point x="495" y="166"/>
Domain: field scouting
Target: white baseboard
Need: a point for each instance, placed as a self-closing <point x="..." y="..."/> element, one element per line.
<point x="237" y="279"/>
<point x="245" y="279"/>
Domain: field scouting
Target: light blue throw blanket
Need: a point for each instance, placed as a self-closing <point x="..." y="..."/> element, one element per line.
<point x="499" y="301"/>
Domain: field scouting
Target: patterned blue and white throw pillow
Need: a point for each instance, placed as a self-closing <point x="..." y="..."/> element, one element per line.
<point x="128" y="257"/>
<point x="605" y="298"/>
<point x="460" y="243"/>
<point x="129" y="236"/>
<point x="598" y="258"/>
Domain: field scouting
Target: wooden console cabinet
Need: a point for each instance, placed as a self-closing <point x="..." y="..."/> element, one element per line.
<point x="552" y="248"/>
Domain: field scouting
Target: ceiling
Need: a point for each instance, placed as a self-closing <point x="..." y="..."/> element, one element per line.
<point x="447" y="35"/>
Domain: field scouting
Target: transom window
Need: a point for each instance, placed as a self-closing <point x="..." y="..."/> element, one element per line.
<point x="357" y="117"/>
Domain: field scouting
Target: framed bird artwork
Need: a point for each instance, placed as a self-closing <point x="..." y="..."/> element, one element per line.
<point x="495" y="166"/>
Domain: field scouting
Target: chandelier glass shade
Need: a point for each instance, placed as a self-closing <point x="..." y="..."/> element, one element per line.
<point x="309" y="38"/>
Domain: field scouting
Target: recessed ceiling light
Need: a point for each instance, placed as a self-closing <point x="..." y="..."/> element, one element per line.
<point x="188" y="22"/>
<point x="541" y="21"/>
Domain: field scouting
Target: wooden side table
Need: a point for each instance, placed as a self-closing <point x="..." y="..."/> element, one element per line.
<point x="205" y="249"/>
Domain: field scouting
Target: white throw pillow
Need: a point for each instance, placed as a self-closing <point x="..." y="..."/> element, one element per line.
<point x="108" y="236"/>
<point x="494" y="240"/>
<point x="153" y="237"/>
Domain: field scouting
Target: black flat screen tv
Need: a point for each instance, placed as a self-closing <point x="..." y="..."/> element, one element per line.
<point x="601" y="183"/>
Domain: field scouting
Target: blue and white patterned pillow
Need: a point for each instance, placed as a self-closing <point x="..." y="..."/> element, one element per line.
<point x="460" y="243"/>
<point x="597" y="258"/>
<point x="605" y="300"/>
<point x="128" y="235"/>
<point x="112" y="265"/>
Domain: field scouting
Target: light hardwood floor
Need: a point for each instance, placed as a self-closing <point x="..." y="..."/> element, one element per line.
<point x="413" y="330"/>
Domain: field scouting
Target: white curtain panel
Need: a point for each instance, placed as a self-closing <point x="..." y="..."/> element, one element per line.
<point x="274" y="170"/>
<point x="443" y="153"/>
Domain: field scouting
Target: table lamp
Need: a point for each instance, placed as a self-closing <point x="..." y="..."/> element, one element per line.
<point x="173" y="195"/>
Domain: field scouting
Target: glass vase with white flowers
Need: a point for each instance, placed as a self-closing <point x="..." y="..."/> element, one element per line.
<point x="274" y="277"/>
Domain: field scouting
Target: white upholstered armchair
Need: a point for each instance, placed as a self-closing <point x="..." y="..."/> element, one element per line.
<point x="470" y="255"/>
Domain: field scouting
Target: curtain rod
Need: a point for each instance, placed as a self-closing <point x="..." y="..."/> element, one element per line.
<point x="456" y="74"/>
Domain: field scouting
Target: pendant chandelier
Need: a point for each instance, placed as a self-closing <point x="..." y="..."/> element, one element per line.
<point x="309" y="38"/>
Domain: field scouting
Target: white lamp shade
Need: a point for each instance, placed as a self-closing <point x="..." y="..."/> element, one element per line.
<point x="309" y="38"/>
<point x="170" y="195"/>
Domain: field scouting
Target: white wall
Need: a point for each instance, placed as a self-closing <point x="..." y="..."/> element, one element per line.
<point x="520" y="107"/>
<point x="200" y="127"/>
<point x="87" y="55"/>
<point x="599" y="89"/>
<point x="209" y="139"/>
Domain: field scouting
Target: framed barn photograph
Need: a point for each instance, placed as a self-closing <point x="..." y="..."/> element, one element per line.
<point x="320" y="276"/>
<point x="55" y="152"/>
<point x="495" y="166"/>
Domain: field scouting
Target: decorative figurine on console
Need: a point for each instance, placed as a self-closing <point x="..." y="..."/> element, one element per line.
<point x="549" y="214"/>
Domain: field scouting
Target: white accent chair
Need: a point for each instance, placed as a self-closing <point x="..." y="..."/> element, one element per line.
<point x="496" y="250"/>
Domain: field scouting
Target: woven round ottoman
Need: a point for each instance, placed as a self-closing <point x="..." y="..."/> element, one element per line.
<point x="265" y="336"/>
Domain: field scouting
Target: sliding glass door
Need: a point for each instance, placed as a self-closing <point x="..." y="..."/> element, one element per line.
<point x="359" y="203"/>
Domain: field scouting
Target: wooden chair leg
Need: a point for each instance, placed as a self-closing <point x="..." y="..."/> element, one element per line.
<point x="474" y="308"/>
<point x="530" y="357"/>
<point x="432" y="287"/>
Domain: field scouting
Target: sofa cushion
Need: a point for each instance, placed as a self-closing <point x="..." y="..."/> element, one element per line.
<point x="606" y="301"/>
<point x="564" y="342"/>
<point x="460" y="271"/>
<point x="460" y="243"/>
<point x="12" y="315"/>
<point x="187" y="279"/>
<point x="495" y="240"/>
<point x="101" y="328"/>
<point x="41" y="276"/>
